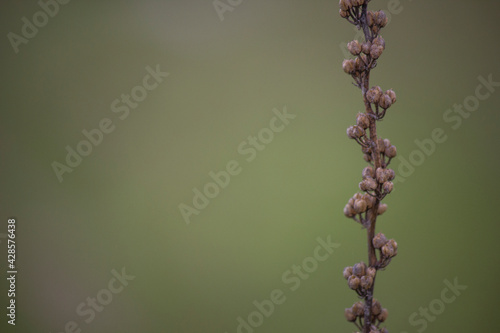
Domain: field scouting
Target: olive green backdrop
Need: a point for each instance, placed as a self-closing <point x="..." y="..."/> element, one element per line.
<point x="120" y="207"/>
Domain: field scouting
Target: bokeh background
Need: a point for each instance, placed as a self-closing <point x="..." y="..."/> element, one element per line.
<point x="120" y="207"/>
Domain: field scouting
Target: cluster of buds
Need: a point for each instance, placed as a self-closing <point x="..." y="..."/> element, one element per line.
<point x="376" y="21"/>
<point x="379" y="315"/>
<point x="388" y="249"/>
<point x="386" y="150"/>
<point x="377" y="182"/>
<point x="360" y="277"/>
<point x="381" y="100"/>
<point x="349" y="9"/>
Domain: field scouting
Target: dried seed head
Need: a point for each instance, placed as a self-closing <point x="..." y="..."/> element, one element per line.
<point x="349" y="315"/>
<point x="381" y="175"/>
<point x="343" y="13"/>
<point x="348" y="65"/>
<point x="360" y="206"/>
<point x="353" y="282"/>
<point x="351" y="133"/>
<point x="368" y="184"/>
<point x="365" y="47"/>
<point x="349" y="211"/>
<point x="368" y="172"/>
<point x="388" y="186"/>
<point x="382" y="19"/>
<point x="347" y="272"/>
<point x="358" y="308"/>
<point x="383" y="315"/>
<point x="390" y="174"/>
<point x="392" y="95"/>
<point x="366" y="282"/>
<point x="379" y="240"/>
<point x="354" y="47"/>
<point x="385" y="101"/>
<point x="362" y="120"/>
<point x="391" y="152"/>
<point x="381" y="146"/>
<point x="373" y="95"/>
<point x="357" y="196"/>
<point x="376" y="51"/>
<point x="370" y="18"/>
<point x="359" y="65"/>
<point x="381" y="209"/>
<point x="345" y="4"/>
<point x="376" y="307"/>
<point x="388" y="250"/>
<point x="394" y="245"/>
<point x="387" y="143"/>
<point x="379" y="41"/>
<point x="370" y="201"/>
<point x="359" y="269"/>
<point x="371" y="271"/>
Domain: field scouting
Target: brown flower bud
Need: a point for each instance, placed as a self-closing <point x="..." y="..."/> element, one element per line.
<point x="349" y="315"/>
<point x="387" y="143"/>
<point x="368" y="184"/>
<point x="353" y="282"/>
<point x="368" y="172"/>
<point x="388" y="186"/>
<point x="394" y="245"/>
<point x="359" y="65"/>
<point x="390" y="174"/>
<point x="371" y="271"/>
<point x="354" y="47"/>
<point x="358" y="308"/>
<point x="391" y="152"/>
<point x="388" y="251"/>
<point x="347" y="272"/>
<point x="381" y="209"/>
<point x="375" y="29"/>
<point x="352" y="132"/>
<point x="370" y="201"/>
<point x="383" y="315"/>
<point x="370" y="18"/>
<point x="392" y="95"/>
<point x="345" y="4"/>
<point x="365" y="47"/>
<point x="381" y="175"/>
<point x="360" y="206"/>
<point x="381" y="146"/>
<point x="373" y="95"/>
<point x="343" y="13"/>
<point x="366" y="282"/>
<point x="385" y="101"/>
<point x="380" y="41"/>
<point x="357" y="196"/>
<point x="362" y="120"/>
<point x="349" y="211"/>
<point x="376" y="307"/>
<point x="376" y="51"/>
<point x="379" y="240"/>
<point x="359" y="269"/>
<point x="381" y="19"/>
<point x="348" y="65"/>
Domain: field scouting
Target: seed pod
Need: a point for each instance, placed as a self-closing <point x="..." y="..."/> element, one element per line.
<point x="359" y="269"/>
<point x="349" y="315"/>
<point x="381" y="146"/>
<point x="388" y="251"/>
<point x="373" y="95"/>
<point x="380" y="41"/>
<point x="376" y="307"/>
<point x="367" y="158"/>
<point x="349" y="211"/>
<point x="375" y="29"/>
<point x="351" y="133"/>
<point x="388" y="186"/>
<point x="381" y="19"/>
<point x="366" y="282"/>
<point x="370" y="201"/>
<point x="345" y="4"/>
<point x="381" y="209"/>
<point x="362" y="120"/>
<point x="390" y="174"/>
<point x="365" y="47"/>
<point x="371" y="271"/>
<point x="353" y="282"/>
<point x="351" y="202"/>
<point x="348" y="65"/>
<point x="370" y="19"/>
<point x="357" y="196"/>
<point x="359" y="65"/>
<point x="394" y="245"/>
<point x="385" y="101"/>
<point x="371" y="184"/>
<point x="391" y="152"/>
<point x="392" y="95"/>
<point x="381" y="175"/>
<point x="368" y="172"/>
<point x="383" y="315"/>
<point x="387" y="143"/>
<point x="347" y="272"/>
<point x="354" y="47"/>
<point x="358" y="131"/>
<point x="376" y="51"/>
<point x="358" y="308"/>
<point x="343" y="13"/>
<point x="360" y="206"/>
<point x="379" y="240"/>
<point x="366" y="150"/>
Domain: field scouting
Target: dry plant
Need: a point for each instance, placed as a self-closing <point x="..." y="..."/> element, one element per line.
<point x="366" y="206"/>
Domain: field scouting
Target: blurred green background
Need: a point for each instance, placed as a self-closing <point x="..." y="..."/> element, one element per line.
<point x="120" y="206"/>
